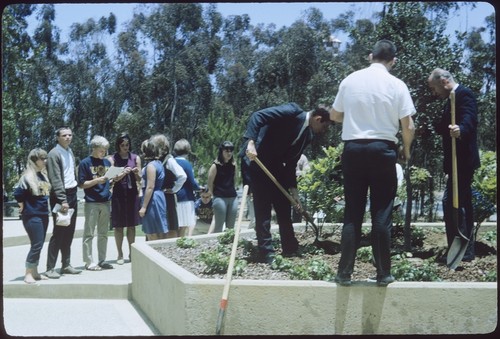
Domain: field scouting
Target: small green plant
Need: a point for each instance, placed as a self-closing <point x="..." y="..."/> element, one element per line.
<point x="490" y="276"/>
<point x="417" y="236"/>
<point x="226" y="237"/>
<point x="314" y="270"/>
<point x="281" y="264"/>
<point x="490" y="236"/>
<point x="404" y="270"/>
<point x="215" y="262"/>
<point x="364" y="254"/>
<point x="186" y="242"/>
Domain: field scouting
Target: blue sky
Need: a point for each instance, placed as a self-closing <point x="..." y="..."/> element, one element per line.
<point x="281" y="14"/>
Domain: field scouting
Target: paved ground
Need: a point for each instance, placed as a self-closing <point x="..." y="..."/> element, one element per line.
<point x="87" y="304"/>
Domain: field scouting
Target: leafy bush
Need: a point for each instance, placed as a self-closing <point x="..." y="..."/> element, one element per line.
<point x="322" y="185"/>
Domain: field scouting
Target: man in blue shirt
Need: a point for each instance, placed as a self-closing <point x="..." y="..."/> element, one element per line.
<point x="91" y="177"/>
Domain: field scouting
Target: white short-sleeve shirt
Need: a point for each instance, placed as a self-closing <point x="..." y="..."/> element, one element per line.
<point x="373" y="101"/>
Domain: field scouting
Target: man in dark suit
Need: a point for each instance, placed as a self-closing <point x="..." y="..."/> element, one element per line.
<point x="464" y="131"/>
<point x="278" y="136"/>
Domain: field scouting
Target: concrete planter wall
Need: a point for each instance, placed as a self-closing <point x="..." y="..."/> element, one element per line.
<point x="180" y="303"/>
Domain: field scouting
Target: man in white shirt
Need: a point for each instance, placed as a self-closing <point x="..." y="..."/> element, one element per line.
<point x="371" y="104"/>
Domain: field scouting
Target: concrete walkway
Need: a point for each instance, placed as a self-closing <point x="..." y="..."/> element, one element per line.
<point x="87" y="304"/>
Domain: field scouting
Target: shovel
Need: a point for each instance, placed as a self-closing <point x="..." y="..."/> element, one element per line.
<point x="459" y="245"/>
<point x="328" y="246"/>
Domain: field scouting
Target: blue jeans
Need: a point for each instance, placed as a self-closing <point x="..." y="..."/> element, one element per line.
<point x="225" y="210"/>
<point x="368" y="164"/>
<point x="36" y="226"/>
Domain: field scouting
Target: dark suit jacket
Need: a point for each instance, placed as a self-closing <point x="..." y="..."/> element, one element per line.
<point x="466" y="118"/>
<point x="273" y="130"/>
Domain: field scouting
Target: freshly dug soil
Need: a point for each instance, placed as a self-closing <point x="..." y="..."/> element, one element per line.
<point x="432" y="246"/>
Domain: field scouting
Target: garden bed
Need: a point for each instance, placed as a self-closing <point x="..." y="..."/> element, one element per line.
<point x="417" y="265"/>
<point x="179" y="302"/>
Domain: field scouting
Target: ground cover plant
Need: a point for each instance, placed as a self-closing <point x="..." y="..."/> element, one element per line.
<point x="210" y="258"/>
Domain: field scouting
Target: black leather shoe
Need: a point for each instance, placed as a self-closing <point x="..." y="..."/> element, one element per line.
<point x="289" y="254"/>
<point x="384" y="281"/>
<point x="343" y="281"/>
<point x="70" y="270"/>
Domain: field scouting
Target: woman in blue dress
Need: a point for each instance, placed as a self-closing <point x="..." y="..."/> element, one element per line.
<point x="153" y="204"/>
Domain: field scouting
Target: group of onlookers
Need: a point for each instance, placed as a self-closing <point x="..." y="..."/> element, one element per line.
<point x="153" y="189"/>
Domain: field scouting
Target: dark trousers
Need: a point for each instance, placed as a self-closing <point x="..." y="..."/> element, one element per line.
<point x="36" y="227"/>
<point x="465" y="218"/>
<point x="265" y="197"/>
<point x="368" y="164"/>
<point x="62" y="236"/>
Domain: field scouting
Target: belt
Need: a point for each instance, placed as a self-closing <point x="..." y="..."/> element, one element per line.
<point x="72" y="189"/>
<point x="369" y="141"/>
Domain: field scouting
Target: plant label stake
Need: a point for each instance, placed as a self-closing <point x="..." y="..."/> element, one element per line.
<point x="459" y="245"/>
<point x="225" y="292"/>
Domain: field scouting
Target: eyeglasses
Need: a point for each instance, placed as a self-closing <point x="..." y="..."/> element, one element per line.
<point x="228" y="149"/>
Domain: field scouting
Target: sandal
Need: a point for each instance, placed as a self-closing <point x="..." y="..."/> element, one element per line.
<point x="93" y="268"/>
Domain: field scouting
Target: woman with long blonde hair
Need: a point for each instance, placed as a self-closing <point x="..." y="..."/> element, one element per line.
<point x="32" y="195"/>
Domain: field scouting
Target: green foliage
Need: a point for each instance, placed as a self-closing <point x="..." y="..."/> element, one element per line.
<point x="185" y="242"/>
<point x="490" y="276"/>
<point x="312" y="270"/>
<point x="216" y="262"/>
<point x="364" y="254"/>
<point x="322" y="184"/>
<point x="405" y="270"/>
<point x="485" y="177"/>
<point x="226" y="237"/>
<point x="281" y="264"/>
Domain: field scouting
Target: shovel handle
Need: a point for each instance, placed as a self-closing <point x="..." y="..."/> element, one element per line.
<point x="454" y="169"/>
<point x="285" y="192"/>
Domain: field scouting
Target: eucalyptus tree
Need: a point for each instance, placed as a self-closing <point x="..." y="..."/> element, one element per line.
<point x="18" y="111"/>
<point x="87" y="82"/>
<point x="186" y="46"/>
<point x="236" y="65"/>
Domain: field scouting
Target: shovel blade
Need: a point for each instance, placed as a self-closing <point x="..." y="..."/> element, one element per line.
<point x="456" y="252"/>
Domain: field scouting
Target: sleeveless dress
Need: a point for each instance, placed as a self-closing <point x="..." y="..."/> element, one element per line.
<point x="125" y="200"/>
<point x="155" y="219"/>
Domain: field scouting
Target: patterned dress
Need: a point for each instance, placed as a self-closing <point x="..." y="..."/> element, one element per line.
<point x="155" y="219"/>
